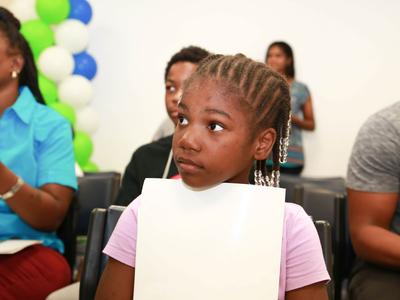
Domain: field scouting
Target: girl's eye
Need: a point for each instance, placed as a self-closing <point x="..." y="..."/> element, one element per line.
<point x="215" y="127"/>
<point x="182" y="120"/>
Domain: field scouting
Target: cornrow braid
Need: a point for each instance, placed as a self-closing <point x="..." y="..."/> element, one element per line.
<point x="265" y="91"/>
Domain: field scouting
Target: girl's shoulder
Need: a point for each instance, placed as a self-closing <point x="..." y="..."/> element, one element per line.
<point x="296" y="217"/>
<point x="293" y="210"/>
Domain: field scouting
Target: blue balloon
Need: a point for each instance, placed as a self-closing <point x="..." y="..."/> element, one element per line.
<point x="80" y="10"/>
<point x="85" y="65"/>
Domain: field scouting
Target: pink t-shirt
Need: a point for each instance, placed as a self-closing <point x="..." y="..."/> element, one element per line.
<point x="302" y="261"/>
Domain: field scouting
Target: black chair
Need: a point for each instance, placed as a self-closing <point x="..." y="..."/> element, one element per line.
<point x="349" y="257"/>
<point x="325" y="236"/>
<point x="290" y="182"/>
<point x="97" y="190"/>
<point x="102" y="224"/>
<point x="323" y="204"/>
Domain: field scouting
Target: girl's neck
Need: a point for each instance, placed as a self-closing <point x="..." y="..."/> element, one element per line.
<point x="8" y="95"/>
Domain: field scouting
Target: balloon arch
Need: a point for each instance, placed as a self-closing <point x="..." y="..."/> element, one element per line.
<point x="57" y="32"/>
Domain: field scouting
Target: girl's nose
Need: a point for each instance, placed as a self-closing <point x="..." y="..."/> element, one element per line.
<point x="189" y="140"/>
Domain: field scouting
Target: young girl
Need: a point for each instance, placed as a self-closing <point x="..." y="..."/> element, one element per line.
<point x="232" y="112"/>
<point x="280" y="58"/>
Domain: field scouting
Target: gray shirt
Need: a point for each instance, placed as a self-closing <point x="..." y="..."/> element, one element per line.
<point x="375" y="160"/>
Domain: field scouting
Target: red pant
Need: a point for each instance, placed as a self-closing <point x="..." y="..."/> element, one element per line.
<point x="32" y="273"/>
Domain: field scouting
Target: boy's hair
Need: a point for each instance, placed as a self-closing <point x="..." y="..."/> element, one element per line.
<point x="289" y="71"/>
<point x="9" y="27"/>
<point x="192" y="54"/>
<point x="265" y="92"/>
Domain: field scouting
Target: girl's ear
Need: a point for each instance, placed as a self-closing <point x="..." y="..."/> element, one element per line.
<point x="265" y="140"/>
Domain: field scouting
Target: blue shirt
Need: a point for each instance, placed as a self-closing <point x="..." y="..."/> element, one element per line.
<point x="36" y="144"/>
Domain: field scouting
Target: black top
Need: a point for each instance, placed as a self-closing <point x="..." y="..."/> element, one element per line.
<point x="148" y="161"/>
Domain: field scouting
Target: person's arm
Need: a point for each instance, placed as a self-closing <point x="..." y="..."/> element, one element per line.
<point x="117" y="282"/>
<point x="370" y="216"/>
<point x="306" y="273"/>
<point x="308" y="122"/>
<point x="44" y="208"/>
<point x="316" y="291"/>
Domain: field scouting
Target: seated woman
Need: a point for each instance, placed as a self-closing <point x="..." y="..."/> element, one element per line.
<point x="37" y="177"/>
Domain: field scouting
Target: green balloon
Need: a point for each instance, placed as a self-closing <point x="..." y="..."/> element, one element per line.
<point x="48" y="89"/>
<point x="90" y="167"/>
<point x="53" y="11"/>
<point x="38" y="34"/>
<point x="65" y="110"/>
<point x="83" y="148"/>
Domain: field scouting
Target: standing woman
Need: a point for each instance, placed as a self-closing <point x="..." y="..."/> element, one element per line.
<point x="37" y="176"/>
<point x="280" y="57"/>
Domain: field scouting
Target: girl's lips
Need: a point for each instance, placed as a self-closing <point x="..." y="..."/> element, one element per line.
<point x="188" y="165"/>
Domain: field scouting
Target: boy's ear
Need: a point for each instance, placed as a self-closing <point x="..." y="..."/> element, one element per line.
<point x="265" y="140"/>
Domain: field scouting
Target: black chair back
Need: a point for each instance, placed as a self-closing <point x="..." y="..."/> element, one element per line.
<point x="290" y="182"/>
<point x="323" y="204"/>
<point x="97" y="190"/>
<point x="325" y="236"/>
<point x="101" y="225"/>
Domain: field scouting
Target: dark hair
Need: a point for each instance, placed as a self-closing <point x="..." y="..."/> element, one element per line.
<point x="264" y="91"/>
<point x="9" y="26"/>
<point x="191" y="54"/>
<point x="289" y="71"/>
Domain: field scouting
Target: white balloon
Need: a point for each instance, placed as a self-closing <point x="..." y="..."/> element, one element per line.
<point x="6" y="3"/>
<point x="87" y="120"/>
<point x="75" y="90"/>
<point x="24" y="10"/>
<point x="56" y="63"/>
<point x="72" y="35"/>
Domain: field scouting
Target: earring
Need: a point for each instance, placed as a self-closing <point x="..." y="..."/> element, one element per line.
<point x="14" y="74"/>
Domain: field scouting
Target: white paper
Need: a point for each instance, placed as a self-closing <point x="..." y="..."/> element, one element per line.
<point x="217" y="244"/>
<point x="14" y="246"/>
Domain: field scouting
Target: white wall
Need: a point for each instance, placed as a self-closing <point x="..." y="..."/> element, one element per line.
<point x="346" y="51"/>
